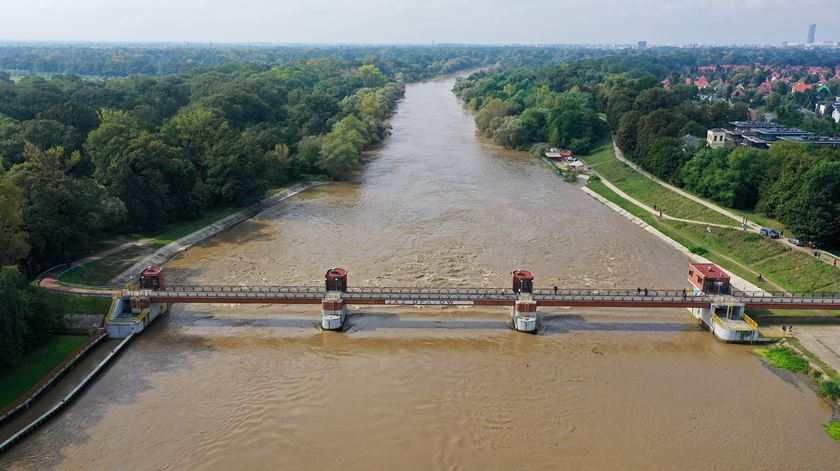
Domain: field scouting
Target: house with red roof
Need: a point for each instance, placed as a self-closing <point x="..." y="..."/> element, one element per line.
<point x="702" y="82"/>
<point x="764" y="88"/>
<point x="801" y="87"/>
<point x="666" y="84"/>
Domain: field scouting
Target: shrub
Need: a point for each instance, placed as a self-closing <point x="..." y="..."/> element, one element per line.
<point x="830" y="389"/>
<point x="697" y="250"/>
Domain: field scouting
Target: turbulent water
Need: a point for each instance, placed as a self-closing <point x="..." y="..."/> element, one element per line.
<point x="260" y="387"/>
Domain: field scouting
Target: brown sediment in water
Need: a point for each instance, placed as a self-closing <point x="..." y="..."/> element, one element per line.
<point x="259" y="387"/>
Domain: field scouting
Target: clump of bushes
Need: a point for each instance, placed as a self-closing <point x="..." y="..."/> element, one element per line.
<point x="830" y="389"/>
<point x="697" y="250"/>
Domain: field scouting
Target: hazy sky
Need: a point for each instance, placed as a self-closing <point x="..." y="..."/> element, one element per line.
<point x="421" y="21"/>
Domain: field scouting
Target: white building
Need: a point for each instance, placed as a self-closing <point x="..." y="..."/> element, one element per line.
<point x="716" y="138"/>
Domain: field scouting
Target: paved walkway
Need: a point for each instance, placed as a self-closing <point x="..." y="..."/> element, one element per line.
<point x="653" y="211"/>
<point x="750" y="225"/>
<point x="50" y="280"/>
<point x="823" y="341"/>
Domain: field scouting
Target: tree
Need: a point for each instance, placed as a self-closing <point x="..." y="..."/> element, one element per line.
<point x="814" y="213"/>
<point x="14" y="244"/>
<point x="235" y="171"/>
<point x="664" y="157"/>
<point x="12" y="317"/>
<point x="625" y="135"/>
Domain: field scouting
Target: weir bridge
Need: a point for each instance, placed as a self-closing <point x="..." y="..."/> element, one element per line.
<point x="709" y="297"/>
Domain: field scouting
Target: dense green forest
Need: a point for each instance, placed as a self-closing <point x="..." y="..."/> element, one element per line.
<point x="560" y="105"/>
<point x="83" y="159"/>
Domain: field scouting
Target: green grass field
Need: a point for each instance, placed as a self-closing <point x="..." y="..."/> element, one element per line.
<point x="59" y="303"/>
<point x="795" y="271"/>
<point x="15" y="381"/>
<point x="603" y="161"/>
<point x="100" y="272"/>
<point x="792" y="271"/>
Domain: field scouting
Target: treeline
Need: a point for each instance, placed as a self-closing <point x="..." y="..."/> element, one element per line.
<point x="518" y="108"/>
<point x="410" y="62"/>
<point x="662" y="130"/>
<point x="85" y="159"/>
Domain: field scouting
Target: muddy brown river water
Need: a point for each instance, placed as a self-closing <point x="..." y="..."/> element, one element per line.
<point x="260" y="387"/>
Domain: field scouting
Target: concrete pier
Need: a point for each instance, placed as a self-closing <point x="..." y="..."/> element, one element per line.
<point x="524" y="314"/>
<point x="333" y="311"/>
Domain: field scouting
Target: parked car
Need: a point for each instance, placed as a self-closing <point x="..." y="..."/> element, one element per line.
<point x="795" y="241"/>
<point x="771" y="233"/>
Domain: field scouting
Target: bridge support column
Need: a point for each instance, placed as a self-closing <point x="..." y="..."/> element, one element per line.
<point x="333" y="311"/>
<point x="524" y="314"/>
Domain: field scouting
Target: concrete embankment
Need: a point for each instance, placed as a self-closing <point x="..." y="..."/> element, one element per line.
<point x="64" y="401"/>
<point x="736" y="281"/>
<point x="165" y="253"/>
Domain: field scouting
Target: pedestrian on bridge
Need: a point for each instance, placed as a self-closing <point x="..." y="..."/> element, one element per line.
<point x="638" y="291"/>
<point x="646" y="292"/>
<point x="684" y="294"/>
<point x="555" y="290"/>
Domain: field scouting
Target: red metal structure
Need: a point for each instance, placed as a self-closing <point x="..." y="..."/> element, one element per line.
<point x="523" y="281"/>
<point x="152" y="278"/>
<point x="708" y="278"/>
<point x="713" y="283"/>
<point x="336" y="279"/>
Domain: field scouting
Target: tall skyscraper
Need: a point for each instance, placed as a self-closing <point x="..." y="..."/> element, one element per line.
<point x="642" y="45"/>
<point x="812" y="33"/>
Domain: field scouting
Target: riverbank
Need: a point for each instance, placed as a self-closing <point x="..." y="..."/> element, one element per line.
<point x="35" y="365"/>
<point x="98" y="274"/>
<point x="745" y="253"/>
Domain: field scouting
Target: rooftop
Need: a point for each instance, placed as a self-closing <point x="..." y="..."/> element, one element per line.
<point x="754" y="124"/>
<point x="825" y="140"/>
<point x="710" y="270"/>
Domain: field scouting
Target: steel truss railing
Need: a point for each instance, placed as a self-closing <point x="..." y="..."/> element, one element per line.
<point x="488" y="294"/>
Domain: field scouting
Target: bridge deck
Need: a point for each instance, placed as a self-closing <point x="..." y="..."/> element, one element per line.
<point x="483" y="297"/>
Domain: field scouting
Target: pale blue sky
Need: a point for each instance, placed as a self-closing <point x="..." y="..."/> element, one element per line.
<point x="423" y="21"/>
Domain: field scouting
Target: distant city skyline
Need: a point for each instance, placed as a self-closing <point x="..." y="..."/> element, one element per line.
<point x="422" y="22"/>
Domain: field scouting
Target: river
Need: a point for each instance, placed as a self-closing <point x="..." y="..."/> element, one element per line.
<point x="260" y="387"/>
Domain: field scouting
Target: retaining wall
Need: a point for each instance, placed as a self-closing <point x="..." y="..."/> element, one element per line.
<point x="67" y="399"/>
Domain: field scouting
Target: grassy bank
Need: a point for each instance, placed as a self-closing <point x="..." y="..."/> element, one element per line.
<point x="172" y="232"/>
<point x="784" y="358"/>
<point x="796" y="271"/>
<point x="15" y="381"/>
<point x="59" y="303"/>
<point x="833" y="429"/>
<point x="100" y="272"/>
<point x="603" y="161"/>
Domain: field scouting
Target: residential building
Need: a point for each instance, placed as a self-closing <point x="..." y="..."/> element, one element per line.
<point x="812" y="33"/>
<point x="801" y="87"/>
